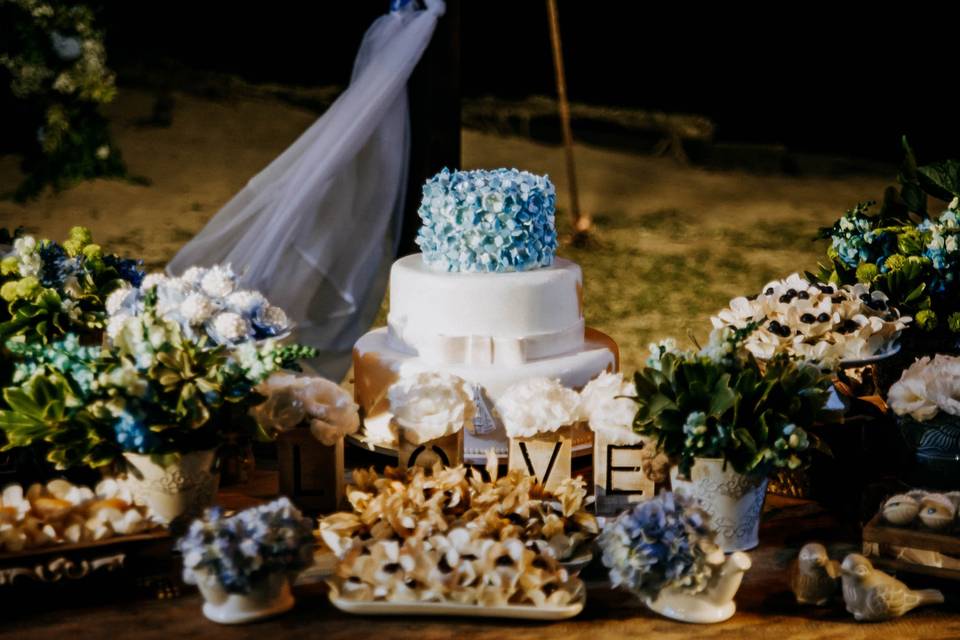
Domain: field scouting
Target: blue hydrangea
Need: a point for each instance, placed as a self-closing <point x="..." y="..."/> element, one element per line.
<point x="67" y="356"/>
<point x="129" y="269"/>
<point x="243" y="548"/>
<point x="663" y="542"/>
<point x="133" y="435"/>
<point x="489" y="221"/>
<point x="56" y="266"/>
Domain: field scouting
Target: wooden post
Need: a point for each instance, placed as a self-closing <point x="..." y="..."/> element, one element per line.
<point x="581" y="222"/>
<point x="311" y="473"/>
<point x="618" y="476"/>
<point x="547" y="456"/>
<point x="447" y="450"/>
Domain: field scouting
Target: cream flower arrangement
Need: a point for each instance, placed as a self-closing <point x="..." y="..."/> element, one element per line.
<point x="926" y="388"/>
<point x="816" y="321"/>
<point x="537" y="405"/>
<point x="293" y="400"/>
<point x="431" y="405"/>
<point x="607" y="405"/>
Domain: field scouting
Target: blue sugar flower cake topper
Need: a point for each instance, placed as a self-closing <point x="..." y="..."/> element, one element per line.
<point x="488" y="221"/>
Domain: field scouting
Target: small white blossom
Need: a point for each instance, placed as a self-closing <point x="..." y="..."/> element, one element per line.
<point x="273" y="318"/>
<point x="193" y="276"/>
<point x="152" y="280"/>
<point x="197" y="309"/>
<point x="219" y="282"/>
<point x="230" y="327"/>
<point x="246" y="303"/>
<point x="119" y="299"/>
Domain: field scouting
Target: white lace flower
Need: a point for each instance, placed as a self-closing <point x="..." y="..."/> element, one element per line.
<point x="604" y="407"/>
<point x="197" y="309"/>
<point x="219" y="281"/>
<point x="230" y="327"/>
<point x="431" y="405"/>
<point x="537" y="405"/>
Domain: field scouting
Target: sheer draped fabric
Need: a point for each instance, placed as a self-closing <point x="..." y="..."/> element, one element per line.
<point x="316" y="230"/>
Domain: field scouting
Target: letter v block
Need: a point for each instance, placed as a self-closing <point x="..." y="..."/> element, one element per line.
<point x="546" y="456"/>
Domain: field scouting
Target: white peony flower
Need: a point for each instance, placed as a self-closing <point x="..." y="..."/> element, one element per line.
<point x="606" y="411"/>
<point x="120" y="299"/>
<point x="230" y="327"/>
<point x="219" y="281"/>
<point x="246" y="303"/>
<point x="431" y="405"/>
<point x="292" y="399"/>
<point x="197" y="309"/>
<point x="927" y="387"/>
<point x="537" y="405"/>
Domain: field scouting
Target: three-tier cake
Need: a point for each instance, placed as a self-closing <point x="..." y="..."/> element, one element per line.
<point x="486" y="300"/>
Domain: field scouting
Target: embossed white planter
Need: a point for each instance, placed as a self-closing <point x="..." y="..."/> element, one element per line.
<point x="269" y="596"/>
<point x="176" y="491"/>
<point x="733" y="500"/>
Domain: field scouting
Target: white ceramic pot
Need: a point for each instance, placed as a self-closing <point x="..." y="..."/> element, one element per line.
<point x="180" y="489"/>
<point x="269" y="596"/>
<point x="733" y="500"/>
<point x="713" y="604"/>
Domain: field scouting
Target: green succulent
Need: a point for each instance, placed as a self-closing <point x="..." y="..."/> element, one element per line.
<point x="755" y="418"/>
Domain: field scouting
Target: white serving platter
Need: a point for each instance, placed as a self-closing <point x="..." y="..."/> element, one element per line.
<point x="862" y="362"/>
<point x="515" y="612"/>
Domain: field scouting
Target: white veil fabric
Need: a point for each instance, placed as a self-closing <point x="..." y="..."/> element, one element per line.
<point x="317" y="229"/>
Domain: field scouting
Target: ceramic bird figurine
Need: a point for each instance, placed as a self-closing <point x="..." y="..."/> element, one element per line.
<point x="872" y="596"/>
<point x="814" y="577"/>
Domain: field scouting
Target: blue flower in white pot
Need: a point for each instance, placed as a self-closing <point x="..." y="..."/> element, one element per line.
<point x="664" y="551"/>
<point x="243" y="564"/>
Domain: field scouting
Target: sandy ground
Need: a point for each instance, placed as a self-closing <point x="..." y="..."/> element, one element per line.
<point x="672" y="243"/>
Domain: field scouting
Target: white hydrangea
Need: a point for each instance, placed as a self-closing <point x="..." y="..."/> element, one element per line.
<point x="246" y="302"/>
<point x="196" y="309"/>
<point x="219" y="281"/>
<point x="273" y="318"/>
<point x="193" y="276"/>
<point x="431" y="405"/>
<point x="119" y="299"/>
<point x="30" y="262"/>
<point x="606" y="404"/>
<point x="155" y="279"/>
<point x="537" y="405"/>
<point x="230" y="327"/>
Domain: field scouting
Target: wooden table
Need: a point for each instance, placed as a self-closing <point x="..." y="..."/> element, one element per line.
<point x="766" y="608"/>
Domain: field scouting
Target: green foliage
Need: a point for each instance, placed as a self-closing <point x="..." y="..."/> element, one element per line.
<point x="756" y="418"/>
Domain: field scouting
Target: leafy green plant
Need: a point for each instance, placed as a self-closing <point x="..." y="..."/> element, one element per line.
<point x="721" y="403"/>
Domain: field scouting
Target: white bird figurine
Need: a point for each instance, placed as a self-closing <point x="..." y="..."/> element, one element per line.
<point x="814" y="577"/>
<point x="873" y="596"/>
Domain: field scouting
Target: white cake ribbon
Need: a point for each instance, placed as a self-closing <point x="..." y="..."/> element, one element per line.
<point x="487" y="350"/>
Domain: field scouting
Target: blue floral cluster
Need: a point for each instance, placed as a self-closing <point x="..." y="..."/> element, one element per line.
<point x="67" y="356"/>
<point x="248" y="546"/>
<point x="942" y="247"/>
<point x="489" y="221"/>
<point x="129" y="269"/>
<point x="854" y="238"/>
<point x="659" y="543"/>
<point x="133" y="434"/>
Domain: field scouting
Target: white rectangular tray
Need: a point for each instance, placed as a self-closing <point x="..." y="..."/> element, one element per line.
<point x="521" y="612"/>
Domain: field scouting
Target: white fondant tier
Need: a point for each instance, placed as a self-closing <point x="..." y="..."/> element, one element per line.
<point x="377" y="364"/>
<point x="484" y="319"/>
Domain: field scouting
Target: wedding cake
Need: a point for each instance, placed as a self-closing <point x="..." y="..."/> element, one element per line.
<point x="486" y="300"/>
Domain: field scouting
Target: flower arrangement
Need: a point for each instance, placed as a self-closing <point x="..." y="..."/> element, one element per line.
<point x="927" y="388"/>
<point x="158" y="389"/>
<point x="607" y="405"/>
<point x="501" y="220"/>
<point x="292" y="400"/>
<point x="816" y="321"/>
<point x="57" y="65"/>
<point x="903" y="250"/>
<point x="720" y="403"/>
<point x="203" y="302"/>
<point x="537" y="405"/>
<point x="431" y="405"/>
<point x="452" y="536"/>
<point x="664" y="542"/>
<point x="242" y="549"/>
<point x="51" y="289"/>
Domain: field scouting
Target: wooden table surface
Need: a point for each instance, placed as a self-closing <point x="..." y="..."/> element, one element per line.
<point x="765" y="606"/>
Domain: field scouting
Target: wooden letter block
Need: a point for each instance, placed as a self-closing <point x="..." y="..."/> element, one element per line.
<point x="311" y="473"/>
<point x="618" y="476"/>
<point x="547" y="456"/>
<point x="447" y="450"/>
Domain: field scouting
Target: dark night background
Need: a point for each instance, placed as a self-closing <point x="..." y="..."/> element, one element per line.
<point x="799" y="75"/>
